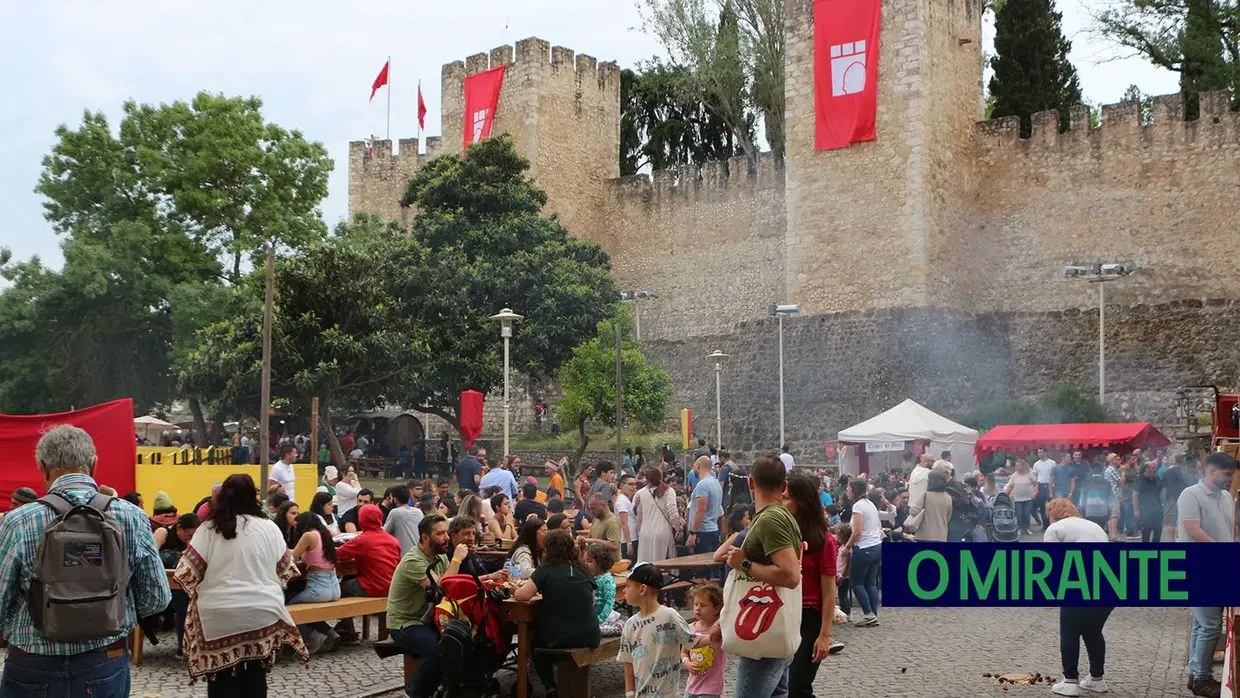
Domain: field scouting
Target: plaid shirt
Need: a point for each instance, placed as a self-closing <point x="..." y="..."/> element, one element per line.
<point x="20" y="535"/>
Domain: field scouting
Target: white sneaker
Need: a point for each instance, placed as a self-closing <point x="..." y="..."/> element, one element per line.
<point x="1089" y="683"/>
<point x="1066" y="687"/>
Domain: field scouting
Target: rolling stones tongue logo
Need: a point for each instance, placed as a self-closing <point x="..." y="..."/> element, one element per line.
<point x="758" y="609"/>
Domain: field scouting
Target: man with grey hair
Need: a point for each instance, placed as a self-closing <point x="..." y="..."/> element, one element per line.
<point x="919" y="478"/>
<point x="66" y="459"/>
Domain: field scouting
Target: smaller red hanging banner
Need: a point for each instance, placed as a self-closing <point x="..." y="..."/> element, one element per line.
<point x="471" y="416"/>
<point x="481" y="100"/>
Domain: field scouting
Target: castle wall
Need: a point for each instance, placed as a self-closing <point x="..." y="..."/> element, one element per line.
<point x="709" y="242"/>
<point x="1163" y="196"/>
<point x="862" y="220"/>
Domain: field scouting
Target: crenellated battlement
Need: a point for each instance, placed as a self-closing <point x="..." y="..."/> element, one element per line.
<point x="731" y="177"/>
<point x="534" y="55"/>
<point x="381" y="154"/>
<point x="1120" y="128"/>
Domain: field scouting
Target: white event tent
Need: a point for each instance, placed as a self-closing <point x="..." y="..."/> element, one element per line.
<point x="879" y="443"/>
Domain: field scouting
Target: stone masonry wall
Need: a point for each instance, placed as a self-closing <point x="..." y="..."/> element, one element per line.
<point x="1165" y="196"/>
<point x="843" y="368"/>
<point x="710" y="243"/>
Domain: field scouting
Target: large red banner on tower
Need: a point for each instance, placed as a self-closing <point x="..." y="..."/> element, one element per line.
<point x="110" y="425"/>
<point x="845" y="71"/>
<point x="481" y="100"/>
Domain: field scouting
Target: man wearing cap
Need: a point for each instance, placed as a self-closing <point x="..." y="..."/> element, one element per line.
<point x="330" y="477"/>
<point x="503" y="479"/>
<point x="21" y="495"/>
<point x="1207" y="515"/>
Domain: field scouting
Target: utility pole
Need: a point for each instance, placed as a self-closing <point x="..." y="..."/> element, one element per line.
<point x="264" y="428"/>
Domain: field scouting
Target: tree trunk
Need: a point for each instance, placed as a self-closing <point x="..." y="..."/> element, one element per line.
<point x="217" y="430"/>
<point x="325" y="419"/>
<point x="236" y="275"/>
<point x="584" y="440"/>
<point x="201" y="438"/>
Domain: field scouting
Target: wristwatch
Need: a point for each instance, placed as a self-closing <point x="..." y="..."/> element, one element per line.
<point x="746" y="564"/>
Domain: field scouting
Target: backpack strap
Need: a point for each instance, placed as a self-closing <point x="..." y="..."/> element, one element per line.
<point x="56" y="503"/>
<point x="100" y="502"/>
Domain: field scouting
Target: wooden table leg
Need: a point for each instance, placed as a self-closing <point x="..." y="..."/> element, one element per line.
<point x="365" y="627"/>
<point x="383" y="630"/>
<point x="523" y="659"/>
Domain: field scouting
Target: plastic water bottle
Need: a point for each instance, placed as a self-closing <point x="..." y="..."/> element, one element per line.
<point x="511" y="569"/>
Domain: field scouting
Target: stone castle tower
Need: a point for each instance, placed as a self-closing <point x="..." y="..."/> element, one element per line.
<point x="928" y="263"/>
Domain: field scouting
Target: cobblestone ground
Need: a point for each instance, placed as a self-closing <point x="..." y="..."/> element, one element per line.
<point x="922" y="653"/>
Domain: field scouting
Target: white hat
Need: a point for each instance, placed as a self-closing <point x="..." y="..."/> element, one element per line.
<point x="330" y="473"/>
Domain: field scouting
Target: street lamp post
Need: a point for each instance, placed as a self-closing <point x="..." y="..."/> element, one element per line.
<point x="506" y="317"/>
<point x="718" y="357"/>
<point x="1100" y="274"/>
<point x="780" y="311"/>
<point x="626" y="297"/>
<point x="633" y="297"/>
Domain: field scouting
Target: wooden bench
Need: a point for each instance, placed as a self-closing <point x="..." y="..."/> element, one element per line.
<point x="306" y="613"/>
<point x="573" y="666"/>
<point x="387" y="647"/>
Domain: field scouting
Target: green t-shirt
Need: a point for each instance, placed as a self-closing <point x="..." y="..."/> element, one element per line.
<point x="407" y="597"/>
<point x="325" y="455"/>
<point x="772" y="530"/>
<point x="566" y="614"/>
<point x="606" y="529"/>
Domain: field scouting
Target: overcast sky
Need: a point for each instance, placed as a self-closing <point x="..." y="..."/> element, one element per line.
<point x="312" y="63"/>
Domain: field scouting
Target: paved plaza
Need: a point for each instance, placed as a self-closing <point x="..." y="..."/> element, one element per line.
<point x="922" y="653"/>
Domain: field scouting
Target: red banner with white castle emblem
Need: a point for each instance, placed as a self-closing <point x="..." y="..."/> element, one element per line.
<point x="845" y="71"/>
<point x="481" y="99"/>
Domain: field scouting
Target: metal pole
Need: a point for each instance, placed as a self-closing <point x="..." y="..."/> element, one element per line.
<point x="264" y="458"/>
<point x="506" y="395"/>
<point x="781" y="381"/>
<point x="718" y="408"/>
<point x="314" y="431"/>
<point x="389" y="99"/>
<point x="619" y="389"/>
<point x="637" y="320"/>
<point x="1102" y="343"/>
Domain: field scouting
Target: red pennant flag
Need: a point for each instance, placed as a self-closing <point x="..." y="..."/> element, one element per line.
<point x="481" y="99"/>
<point x="421" y="108"/>
<point x="845" y="71"/>
<point x="380" y="81"/>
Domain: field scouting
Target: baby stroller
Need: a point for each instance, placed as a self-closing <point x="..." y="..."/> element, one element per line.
<point x="1002" y="526"/>
<point x="472" y="645"/>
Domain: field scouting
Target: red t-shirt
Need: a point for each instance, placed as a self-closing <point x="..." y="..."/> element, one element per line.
<point x="815" y="565"/>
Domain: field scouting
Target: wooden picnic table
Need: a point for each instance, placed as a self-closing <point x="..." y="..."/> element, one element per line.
<point x="522" y="614"/>
<point x="700" y="561"/>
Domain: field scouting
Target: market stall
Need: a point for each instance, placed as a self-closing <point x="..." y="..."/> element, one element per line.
<point x="1027" y="438"/>
<point x="885" y="441"/>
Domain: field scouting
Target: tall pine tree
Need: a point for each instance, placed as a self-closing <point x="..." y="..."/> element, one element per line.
<point x="1032" y="71"/>
<point x="1203" y="68"/>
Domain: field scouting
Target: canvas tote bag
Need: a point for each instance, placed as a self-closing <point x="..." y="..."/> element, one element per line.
<point x="760" y="621"/>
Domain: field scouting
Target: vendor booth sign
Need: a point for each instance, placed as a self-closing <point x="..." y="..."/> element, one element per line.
<point x="884" y="446"/>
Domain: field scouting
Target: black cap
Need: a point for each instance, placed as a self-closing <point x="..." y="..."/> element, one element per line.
<point x="646" y="573"/>
<point x="25" y="495"/>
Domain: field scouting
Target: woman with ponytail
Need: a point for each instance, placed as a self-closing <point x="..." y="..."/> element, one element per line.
<point x="658" y="519"/>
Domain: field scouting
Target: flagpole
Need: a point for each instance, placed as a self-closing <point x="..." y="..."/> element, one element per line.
<point x="418" y="112"/>
<point x="389" y="106"/>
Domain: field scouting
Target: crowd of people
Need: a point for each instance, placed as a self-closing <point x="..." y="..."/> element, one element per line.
<point x="224" y="572"/>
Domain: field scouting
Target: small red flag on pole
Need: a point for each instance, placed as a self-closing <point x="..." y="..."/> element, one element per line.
<point x="380" y="81"/>
<point x="421" y="108"/>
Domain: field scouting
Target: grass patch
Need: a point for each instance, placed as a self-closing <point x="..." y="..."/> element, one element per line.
<point x="600" y="440"/>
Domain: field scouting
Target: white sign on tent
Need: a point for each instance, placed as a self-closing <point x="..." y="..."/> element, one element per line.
<point x="884" y="446"/>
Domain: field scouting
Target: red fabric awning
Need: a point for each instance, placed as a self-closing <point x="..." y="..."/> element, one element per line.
<point x="1028" y="437"/>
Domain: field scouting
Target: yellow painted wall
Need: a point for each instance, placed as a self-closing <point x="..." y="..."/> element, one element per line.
<point x="183" y="456"/>
<point x="187" y="484"/>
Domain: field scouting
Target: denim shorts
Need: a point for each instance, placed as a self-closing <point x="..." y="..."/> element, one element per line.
<point x="320" y="587"/>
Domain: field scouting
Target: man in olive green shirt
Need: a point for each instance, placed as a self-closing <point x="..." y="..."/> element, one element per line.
<point x="408" y="603"/>
<point x="606" y="527"/>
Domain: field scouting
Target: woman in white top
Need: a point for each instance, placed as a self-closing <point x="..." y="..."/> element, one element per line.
<point x="865" y="547"/>
<point x="528" y="549"/>
<point x="658" y="519"/>
<point x="346" y="491"/>
<point x="1022" y="487"/>
<point x="1078" y="623"/>
<point x="234" y="571"/>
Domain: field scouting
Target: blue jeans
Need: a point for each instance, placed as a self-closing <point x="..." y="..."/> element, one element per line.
<point x="762" y="678"/>
<point x="421" y="642"/>
<point x="1023" y="512"/>
<point x="708" y="542"/>
<point x="1207" y="626"/>
<point x="320" y="587"/>
<point x="863" y="576"/>
<point x="87" y="674"/>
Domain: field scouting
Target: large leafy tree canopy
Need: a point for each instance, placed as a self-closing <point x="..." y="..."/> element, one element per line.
<point x="1032" y="71"/>
<point x="1199" y="39"/>
<point x="341" y="331"/>
<point x="485" y="246"/>
<point x="589" y="383"/>
<point x="157" y="216"/>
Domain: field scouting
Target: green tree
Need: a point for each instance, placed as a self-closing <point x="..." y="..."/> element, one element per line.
<point x="486" y="246"/>
<point x="664" y="123"/>
<point x="1060" y="404"/>
<point x="1032" y="71"/>
<point x="341" y="331"/>
<point x="589" y="383"/>
<point x="1199" y="39"/>
<point x="734" y="53"/>
<point x="1145" y="105"/>
<point x="151" y="214"/>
